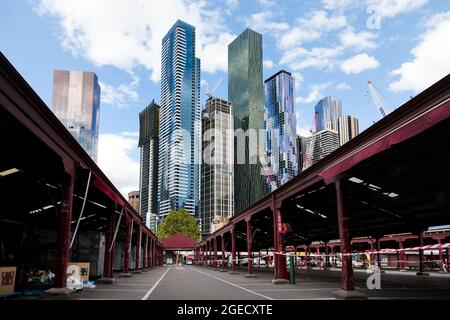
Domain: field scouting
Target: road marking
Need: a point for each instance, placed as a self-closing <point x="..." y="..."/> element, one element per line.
<point x="309" y="289"/>
<point x="234" y="285"/>
<point x="155" y="285"/>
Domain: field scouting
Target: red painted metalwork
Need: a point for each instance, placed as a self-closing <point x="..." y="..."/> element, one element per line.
<point x="64" y="225"/>
<point x="249" y="246"/>
<point x="348" y="283"/>
<point x="233" y="248"/>
<point x="215" y="253"/>
<point x="126" y="248"/>
<point x="138" y="250"/>
<point x="223" y="252"/>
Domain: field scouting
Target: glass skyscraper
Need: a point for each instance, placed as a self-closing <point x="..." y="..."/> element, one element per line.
<point x="179" y="136"/>
<point x="148" y="178"/>
<point x="327" y="111"/>
<point x="246" y="94"/>
<point x="76" y="103"/>
<point x="217" y="166"/>
<point x="281" y="127"/>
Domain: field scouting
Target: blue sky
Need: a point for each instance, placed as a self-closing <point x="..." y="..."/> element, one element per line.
<point x="332" y="47"/>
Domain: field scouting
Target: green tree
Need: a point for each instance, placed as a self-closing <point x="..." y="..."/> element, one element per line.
<point x="179" y="221"/>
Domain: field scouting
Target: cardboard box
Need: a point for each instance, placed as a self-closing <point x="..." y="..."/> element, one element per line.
<point x="82" y="272"/>
<point x="7" y="280"/>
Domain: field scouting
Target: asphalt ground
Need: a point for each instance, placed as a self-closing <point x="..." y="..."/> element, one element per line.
<point x="199" y="283"/>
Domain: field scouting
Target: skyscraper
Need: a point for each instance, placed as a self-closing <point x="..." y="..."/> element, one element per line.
<point x="348" y="128"/>
<point x="281" y="127"/>
<point x="301" y="150"/>
<point x="217" y="166"/>
<point x="133" y="199"/>
<point x="76" y="102"/>
<point x="245" y="92"/>
<point x="179" y="140"/>
<point x="148" y="178"/>
<point x="327" y="111"/>
<point x="325" y="142"/>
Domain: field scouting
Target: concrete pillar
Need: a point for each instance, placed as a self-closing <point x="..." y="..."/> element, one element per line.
<point x="233" y="249"/>
<point x="64" y="232"/>
<point x="348" y="283"/>
<point x="249" y="248"/>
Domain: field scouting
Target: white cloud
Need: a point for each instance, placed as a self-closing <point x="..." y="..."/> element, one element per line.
<point x="338" y="4"/>
<point x="232" y="3"/>
<point x="342" y="86"/>
<point x="358" y="40"/>
<point x="263" y="22"/>
<point x="301" y="58"/>
<point x="431" y="60"/>
<point x="298" y="80"/>
<point x="118" y="97"/>
<point x="269" y="64"/>
<point x="359" y="63"/>
<point x="108" y="32"/>
<point x="311" y="28"/>
<point x="380" y="9"/>
<point x="114" y="158"/>
<point x="315" y="93"/>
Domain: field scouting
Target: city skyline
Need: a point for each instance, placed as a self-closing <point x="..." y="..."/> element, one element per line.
<point x="121" y="94"/>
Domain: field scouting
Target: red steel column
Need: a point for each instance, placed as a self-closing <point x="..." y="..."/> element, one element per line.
<point x="215" y="253"/>
<point x="279" y="259"/>
<point x="64" y="231"/>
<point x="223" y="252"/>
<point x="208" y="256"/>
<point x="401" y="254"/>
<point x="233" y="249"/>
<point x="318" y="258"/>
<point x="378" y="253"/>
<point x="107" y="264"/>
<point x="348" y="282"/>
<point x="138" y="250"/>
<point x="421" y="254"/>
<point x="249" y="246"/>
<point x="441" y="256"/>
<point x="128" y="234"/>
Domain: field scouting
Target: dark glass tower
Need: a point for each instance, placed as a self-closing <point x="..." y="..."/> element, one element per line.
<point x="148" y="181"/>
<point x="245" y="92"/>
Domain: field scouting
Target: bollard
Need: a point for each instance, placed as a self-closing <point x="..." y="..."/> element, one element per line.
<point x="292" y="269"/>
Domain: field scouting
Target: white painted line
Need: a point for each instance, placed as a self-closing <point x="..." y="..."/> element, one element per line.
<point x="232" y="284"/>
<point x="309" y="289"/>
<point x="155" y="285"/>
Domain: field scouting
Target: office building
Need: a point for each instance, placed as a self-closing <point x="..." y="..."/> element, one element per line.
<point x="149" y="151"/>
<point x="348" y="128"/>
<point x="179" y="136"/>
<point x="246" y="94"/>
<point x="133" y="199"/>
<point x="280" y="124"/>
<point x="325" y="142"/>
<point x="76" y="103"/>
<point x="327" y="111"/>
<point x="301" y="150"/>
<point x="217" y="178"/>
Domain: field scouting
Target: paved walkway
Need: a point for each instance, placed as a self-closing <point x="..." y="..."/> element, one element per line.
<point x="197" y="283"/>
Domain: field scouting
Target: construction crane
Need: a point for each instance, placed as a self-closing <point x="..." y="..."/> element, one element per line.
<point x="211" y="93"/>
<point x="379" y="103"/>
<point x="267" y="170"/>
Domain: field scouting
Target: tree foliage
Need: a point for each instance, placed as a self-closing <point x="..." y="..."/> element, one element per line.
<point x="179" y="221"/>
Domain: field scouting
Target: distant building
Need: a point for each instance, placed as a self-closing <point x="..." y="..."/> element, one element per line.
<point x="217" y="178"/>
<point x="133" y="199"/>
<point x="246" y="94"/>
<point x="325" y="142"/>
<point x="327" y="111"/>
<point x="348" y="128"/>
<point x="301" y="150"/>
<point x="280" y="124"/>
<point x="149" y="151"/>
<point x="179" y="139"/>
<point x="76" y="103"/>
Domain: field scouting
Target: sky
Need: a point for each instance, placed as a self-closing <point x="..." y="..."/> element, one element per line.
<point x="332" y="47"/>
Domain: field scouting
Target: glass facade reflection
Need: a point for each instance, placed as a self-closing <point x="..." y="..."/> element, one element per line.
<point x="281" y="127"/>
<point x="76" y="103"/>
<point x="327" y="111"/>
<point x="179" y="139"/>
<point x="246" y="94"/>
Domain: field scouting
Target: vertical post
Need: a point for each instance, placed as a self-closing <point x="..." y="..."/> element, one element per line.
<point x="401" y="255"/>
<point x="215" y="254"/>
<point x="223" y="252"/>
<point x="107" y="264"/>
<point x="348" y="283"/>
<point x="233" y="249"/>
<point x="292" y="269"/>
<point x="249" y="248"/>
<point x="327" y="256"/>
<point x="64" y="230"/>
<point x="280" y="266"/>
<point x="421" y="271"/>
<point x="138" y="250"/>
<point x="318" y="258"/>
<point x="441" y="256"/>
<point x="126" y="245"/>
<point x="378" y="253"/>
